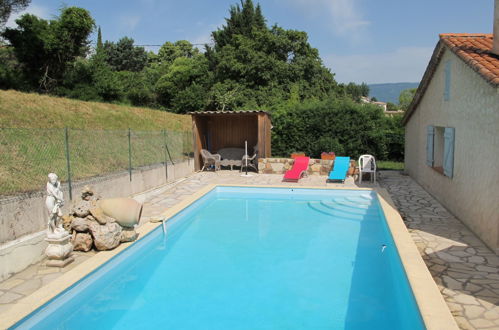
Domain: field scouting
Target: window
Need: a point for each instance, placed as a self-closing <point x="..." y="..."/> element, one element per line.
<point x="447" y="73"/>
<point x="440" y="149"/>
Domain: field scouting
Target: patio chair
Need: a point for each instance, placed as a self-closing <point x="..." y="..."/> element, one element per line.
<point x="367" y="164"/>
<point x="340" y="169"/>
<point x="210" y="159"/>
<point x="251" y="162"/>
<point x="299" y="169"/>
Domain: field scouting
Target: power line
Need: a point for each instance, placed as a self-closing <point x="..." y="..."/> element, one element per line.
<point x="197" y="44"/>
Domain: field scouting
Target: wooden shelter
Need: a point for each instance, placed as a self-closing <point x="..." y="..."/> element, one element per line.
<point x="215" y="130"/>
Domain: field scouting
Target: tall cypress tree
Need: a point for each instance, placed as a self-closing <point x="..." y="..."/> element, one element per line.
<point x="99" y="40"/>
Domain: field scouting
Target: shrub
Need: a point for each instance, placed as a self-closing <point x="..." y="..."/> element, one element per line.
<point x="340" y="125"/>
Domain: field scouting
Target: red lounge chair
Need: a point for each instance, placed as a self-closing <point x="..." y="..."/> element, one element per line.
<point x="300" y="167"/>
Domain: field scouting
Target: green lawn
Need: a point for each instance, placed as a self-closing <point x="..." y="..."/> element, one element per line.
<point x="389" y="165"/>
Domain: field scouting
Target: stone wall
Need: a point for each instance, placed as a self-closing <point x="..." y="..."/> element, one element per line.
<point x="471" y="194"/>
<point x="23" y="217"/>
<point x="281" y="165"/>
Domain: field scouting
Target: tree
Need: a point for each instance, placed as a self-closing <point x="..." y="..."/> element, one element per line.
<point x="45" y="48"/>
<point x="356" y="91"/>
<point x="10" y="73"/>
<point x="225" y="96"/>
<point x="391" y="107"/>
<point x="7" y="7"/>
<point x="169" y="52"/>
<point x="263" y="64"/>
<point x="124" y="56"/>
<point x="184" y="87"/>
<point x="99" y="39"/>
<point x="406" y="97"/>
<point x="364" y="89"/>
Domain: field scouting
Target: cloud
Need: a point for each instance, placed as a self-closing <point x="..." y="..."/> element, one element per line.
<point x="346" y="18"/>
<point x="405" y="64"/>
<point x="129" y="22"/>
<point x="33" y="9"/>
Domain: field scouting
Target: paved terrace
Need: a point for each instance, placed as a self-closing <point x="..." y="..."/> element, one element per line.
<point x="465" y="270"/>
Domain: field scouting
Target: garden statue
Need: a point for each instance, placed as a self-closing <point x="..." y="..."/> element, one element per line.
<point x="54" y="202"/>
<point x="59" y="246"/>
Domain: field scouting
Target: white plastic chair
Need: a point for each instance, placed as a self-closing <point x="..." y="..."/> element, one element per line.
<point x="367" y="164"/>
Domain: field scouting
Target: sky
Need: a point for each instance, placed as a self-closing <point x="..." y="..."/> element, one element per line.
<point x="372" y="41"/>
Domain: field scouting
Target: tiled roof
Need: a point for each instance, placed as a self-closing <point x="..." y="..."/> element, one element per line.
<point x="242" y="112"/>
<point x="473" y="48"/>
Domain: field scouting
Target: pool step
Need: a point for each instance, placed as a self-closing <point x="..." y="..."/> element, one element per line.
<point x="363" y="200"/>
<point x="353" y="204"/>
<point x="337" y="214"/>
<point x="349" y="208"/>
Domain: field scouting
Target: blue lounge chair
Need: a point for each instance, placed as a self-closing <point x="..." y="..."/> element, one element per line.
<point x="340" y="168"/>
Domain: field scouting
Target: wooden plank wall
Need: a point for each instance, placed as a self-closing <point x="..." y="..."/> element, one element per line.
<point x="268" y="137"/>
<point x="227" y="131"/>
<point x="264" y="136"/>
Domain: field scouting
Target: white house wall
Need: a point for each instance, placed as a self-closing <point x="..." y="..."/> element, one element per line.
<point x="472" y="195"/>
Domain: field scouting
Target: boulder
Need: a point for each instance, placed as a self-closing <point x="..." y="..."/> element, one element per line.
<point x="128" y="235"/>
<point x="82" y="242"/>
<point x="82" y="208"/>
<point x="100" y="217"/>
<point x="106" y="237"/>
<point x="80" y="225"/>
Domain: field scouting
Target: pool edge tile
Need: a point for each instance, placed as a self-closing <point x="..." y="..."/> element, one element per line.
<point x="434" y="311"/>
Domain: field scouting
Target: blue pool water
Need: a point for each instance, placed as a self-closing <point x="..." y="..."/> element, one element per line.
<point x="250" y="258"/>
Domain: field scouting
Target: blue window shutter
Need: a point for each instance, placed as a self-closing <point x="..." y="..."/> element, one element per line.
<point x="429" y="145"/>
<point x="449" y="151"/>
<point x="447" y="81"/>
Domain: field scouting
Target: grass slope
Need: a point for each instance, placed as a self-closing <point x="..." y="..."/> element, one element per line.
<point x="32" y="139"/>
<point x="29" y="110"/>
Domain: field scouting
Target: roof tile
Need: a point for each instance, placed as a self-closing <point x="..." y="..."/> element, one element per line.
<point x="475" y="50"/>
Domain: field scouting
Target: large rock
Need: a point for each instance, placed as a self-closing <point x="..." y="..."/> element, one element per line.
<point x="82" y="242"/>
<point x="80" y="225"/>
<point x="128" y="235"/>
<point x="99" y="215"/>
<point x="82" y="208"/>
<point x="106" y="237"/>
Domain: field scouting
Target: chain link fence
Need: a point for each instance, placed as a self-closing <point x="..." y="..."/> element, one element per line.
<point x="27" y="155"/>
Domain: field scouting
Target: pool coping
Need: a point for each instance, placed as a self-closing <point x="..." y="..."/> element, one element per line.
<point x="433" y="309"/>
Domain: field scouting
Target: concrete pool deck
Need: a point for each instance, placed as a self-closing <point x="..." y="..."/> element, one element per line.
<point x="466" y="272"/>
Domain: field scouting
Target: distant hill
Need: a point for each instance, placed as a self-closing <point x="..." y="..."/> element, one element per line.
<point x="389" y="92"/>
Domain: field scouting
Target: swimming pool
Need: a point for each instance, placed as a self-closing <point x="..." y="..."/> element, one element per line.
<point x="250" y="258"/>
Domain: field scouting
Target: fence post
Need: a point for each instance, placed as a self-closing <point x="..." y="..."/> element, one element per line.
<point x="166" y="160"/>
<point x="129" y="154"/>
<point x="168" y="150"/>
<point x="68" y="163"/>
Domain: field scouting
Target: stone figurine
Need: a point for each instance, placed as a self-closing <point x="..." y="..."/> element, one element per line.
<point x="54" y="202"/>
